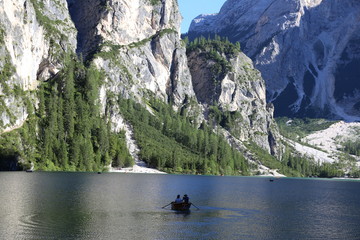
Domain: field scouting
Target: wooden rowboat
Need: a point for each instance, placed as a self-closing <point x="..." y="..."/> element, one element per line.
<point x="180" y="206"/>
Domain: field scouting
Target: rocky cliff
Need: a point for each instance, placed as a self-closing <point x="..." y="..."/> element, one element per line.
<point x="137" y="44"/>
<point x="150" y="57"/>
<point x="307" y="51"/>
<point x="126" y="50"/>
<point x="33" y="36"/>
<point x="227" y="80"/>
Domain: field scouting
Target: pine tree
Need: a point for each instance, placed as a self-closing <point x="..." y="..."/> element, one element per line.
<point x="69" y="100"/>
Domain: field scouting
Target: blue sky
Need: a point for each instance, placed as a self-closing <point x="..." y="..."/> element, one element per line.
<point x="191" y="8"/>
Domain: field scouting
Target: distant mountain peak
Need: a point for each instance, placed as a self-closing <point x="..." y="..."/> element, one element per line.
<point x="306" y="50"/>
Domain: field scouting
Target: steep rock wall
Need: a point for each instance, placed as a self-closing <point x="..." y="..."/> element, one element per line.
<point x="32" y="36"/>
<point x="137" y="59"/>
<point x="307" y="51"/>
<point x="241" y="90"/>
<point x="137" y="44"/>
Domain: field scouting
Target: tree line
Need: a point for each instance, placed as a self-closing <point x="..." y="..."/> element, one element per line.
<point x="219" y="50"/>
<point x="67" y="132"/>
<point x="174" y="142"/>
<point x="73" y="134"/>
<point x="352" y="147"/>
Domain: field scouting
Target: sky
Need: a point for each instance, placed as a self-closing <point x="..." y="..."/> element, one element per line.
<point x="192" y="8"/>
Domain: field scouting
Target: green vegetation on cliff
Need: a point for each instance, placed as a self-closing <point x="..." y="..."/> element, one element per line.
<point x="229" y="120"/>
<point x="156" y="36"/>
<point x="6" y="72"/>
<point x="295" y="165"/>
<point x="11" y="94"/>
<point x="297" y="128"/>
<point x="154" y="2"/>
<point x="67" y="132"/>
<point x="172" y="142"/>
<point x="45" y="21"/>
<point x="53" y="32"/>
<point x="219" y="50"/>
<point x="74" y="135"/>
<point x="2" y="35"/>
<point x="352" y="147"/>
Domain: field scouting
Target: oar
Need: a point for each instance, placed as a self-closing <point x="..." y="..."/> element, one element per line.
<point x="195" y="206"/>
<point x="166" y="205"/>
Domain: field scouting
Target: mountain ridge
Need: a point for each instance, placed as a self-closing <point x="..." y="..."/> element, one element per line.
<point x="107" y="93"/>
<point x="304" y="49"/>
<point x="76" y="104"/>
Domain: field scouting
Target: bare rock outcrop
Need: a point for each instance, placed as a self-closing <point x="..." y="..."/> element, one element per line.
<point x="239" y="91"/>
<point x="142" y="50"/>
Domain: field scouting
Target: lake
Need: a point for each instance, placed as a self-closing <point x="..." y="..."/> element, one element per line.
<point x="43" y="205"/>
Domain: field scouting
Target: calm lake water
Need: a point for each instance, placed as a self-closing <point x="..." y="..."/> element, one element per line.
<point x="129" y="206"/>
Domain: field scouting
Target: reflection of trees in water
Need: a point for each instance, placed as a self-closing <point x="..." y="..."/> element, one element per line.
<point x="57" y="207"/>
<point x="9" y="162"/>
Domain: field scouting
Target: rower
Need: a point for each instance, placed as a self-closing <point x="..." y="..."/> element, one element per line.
<point x="186" y="198"/>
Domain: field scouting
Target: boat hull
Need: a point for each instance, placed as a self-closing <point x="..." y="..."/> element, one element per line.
<point x="180" y="206"/>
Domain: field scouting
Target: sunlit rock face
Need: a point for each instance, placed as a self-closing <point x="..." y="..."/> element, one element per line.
<point x="121" y="21"/>
<point x="143" y="40"/>
<point x="29" y="52"/>
<point x="307" y="51"/>
<point x="241" y="91"/>
<point x="136" y="46"/>
<point x="142" y="53"/>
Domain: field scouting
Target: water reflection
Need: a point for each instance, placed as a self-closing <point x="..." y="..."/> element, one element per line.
<point x="56" y="206"/>
<point x="13" y="201"/>
<point x="128" y="206"/>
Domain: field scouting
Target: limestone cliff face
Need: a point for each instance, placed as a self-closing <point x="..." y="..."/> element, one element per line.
<point x="240" y="90"/>
<point x="121" y="22"/>
<point x="32" y="35"/>
<point x="307" y="51"/>
<point x="137" y="44"/>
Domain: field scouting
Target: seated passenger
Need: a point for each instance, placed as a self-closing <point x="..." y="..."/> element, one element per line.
<point x="178" y="199"/>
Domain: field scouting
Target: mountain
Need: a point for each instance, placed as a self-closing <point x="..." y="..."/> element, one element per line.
<point x="95" y="85"/>
<point x="225" y="81"/>
<point x="29" y="49"/>
<point x="306" y="50"/>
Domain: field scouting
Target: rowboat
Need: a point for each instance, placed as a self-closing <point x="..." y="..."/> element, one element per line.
<point x="180" y="206"/>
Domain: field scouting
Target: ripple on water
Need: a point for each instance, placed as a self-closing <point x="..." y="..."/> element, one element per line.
<point x="50" y="226"/>
<point x="32" y="225"/>
<point x="113" y="206"/>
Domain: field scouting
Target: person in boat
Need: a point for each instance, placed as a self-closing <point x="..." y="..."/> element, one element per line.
<point x="178" y="199"/>
<point x="186" y="198"/>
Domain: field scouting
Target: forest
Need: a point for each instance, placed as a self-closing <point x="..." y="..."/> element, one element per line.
<point x="173" y="142"/>
<point x="66" y="130"/>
